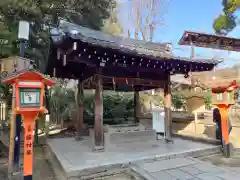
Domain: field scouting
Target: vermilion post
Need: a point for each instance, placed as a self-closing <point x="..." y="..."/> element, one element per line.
<point x="224" y="122"/>
<point x="29" y="118"/>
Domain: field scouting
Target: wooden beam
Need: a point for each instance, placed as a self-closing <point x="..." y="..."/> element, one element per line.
<point x="81" y="60"/>
<point x="131" y="81"/>
<point x="108" y="81"/>
<point x="119" y="72"/>
<point x="135" y="68"/>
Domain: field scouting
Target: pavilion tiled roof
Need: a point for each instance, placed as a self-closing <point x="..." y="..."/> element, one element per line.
<point x="220" y="78"/>
<point x="159" y="51"/>
<point x="222" y="83"/>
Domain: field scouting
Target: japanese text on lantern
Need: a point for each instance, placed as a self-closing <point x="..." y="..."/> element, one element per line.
<point x="28" y="140"/>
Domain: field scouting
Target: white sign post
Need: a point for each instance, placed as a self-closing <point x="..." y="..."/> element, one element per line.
<point x="158" y="121"/>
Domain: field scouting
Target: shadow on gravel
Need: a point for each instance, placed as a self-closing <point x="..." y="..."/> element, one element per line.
<point x="220" y="160"/>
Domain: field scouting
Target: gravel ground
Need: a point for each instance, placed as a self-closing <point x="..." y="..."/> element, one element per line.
<point x="42" y="169"/>
<point x="232" y="163"/>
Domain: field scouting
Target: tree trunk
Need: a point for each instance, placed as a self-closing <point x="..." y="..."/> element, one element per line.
<point x="47" y="102"/>
<point x="62" y="123"/>
<point x="58" y="116"/>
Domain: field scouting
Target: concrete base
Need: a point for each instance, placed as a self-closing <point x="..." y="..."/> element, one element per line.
<point x="226" y="150"/>
<point x="169" y="141"/>
<point x="78" y="138"/>
<point x="77" y="158"/>
<point x="98" y="149"/>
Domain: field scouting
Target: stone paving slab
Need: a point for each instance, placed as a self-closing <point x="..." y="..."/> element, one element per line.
<point x="186" y="169"/>
<point x="207" y="168"/>
<point x="177" y="173"/>
<point x="162" y="175"/>
<point x="167" y="164"/>
<point x="191" y="170"/>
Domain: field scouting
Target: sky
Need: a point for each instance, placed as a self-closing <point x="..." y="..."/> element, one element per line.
<point x="192" y="15"/>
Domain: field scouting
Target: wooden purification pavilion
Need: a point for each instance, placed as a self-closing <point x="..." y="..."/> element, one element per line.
<point x="100" y="61"/>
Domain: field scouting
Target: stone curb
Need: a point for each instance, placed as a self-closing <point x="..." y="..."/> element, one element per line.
<point x="198" y="139"/>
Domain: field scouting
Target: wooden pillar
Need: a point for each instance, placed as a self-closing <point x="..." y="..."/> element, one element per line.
<point x="98" y="125"/>
<point x="136" y="106"/>
<point x="80" y="121"/>
<point x="225" y="134"/>
<point x="167" y="110"/>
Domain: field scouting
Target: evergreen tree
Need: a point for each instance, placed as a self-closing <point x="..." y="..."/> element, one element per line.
<point x="112" y="24"/>
<point x="208" y="99"/>
<point x="227" y="21"/>
<point x="177" y="101"/>
<point x="42" y="14"/>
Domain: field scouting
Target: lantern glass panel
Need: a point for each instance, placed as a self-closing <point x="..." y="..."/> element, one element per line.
<point x="220" y="97"/>
<point x="230" y="97"/>
<point x="29" y="97"/>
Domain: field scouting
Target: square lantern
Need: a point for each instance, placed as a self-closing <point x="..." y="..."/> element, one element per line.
<point x="29" y="94"/>
<point x="226" y="97"/>
<point x="29" y="90"/>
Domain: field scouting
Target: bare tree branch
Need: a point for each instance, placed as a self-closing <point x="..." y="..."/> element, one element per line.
<point x="146" y="15"/>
